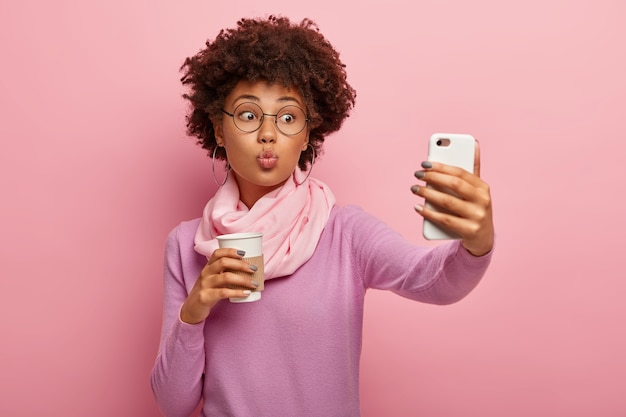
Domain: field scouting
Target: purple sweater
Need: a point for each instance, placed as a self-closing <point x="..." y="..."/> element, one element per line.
<point x="296" y="351"/>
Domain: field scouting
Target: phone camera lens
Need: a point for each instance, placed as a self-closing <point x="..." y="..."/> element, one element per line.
<point x="439" y="142"/>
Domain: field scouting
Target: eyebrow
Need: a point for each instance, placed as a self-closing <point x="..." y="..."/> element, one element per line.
<point x="283" y="99"/>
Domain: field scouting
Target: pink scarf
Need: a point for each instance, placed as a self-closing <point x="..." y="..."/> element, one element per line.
<point x="291" y="219"/>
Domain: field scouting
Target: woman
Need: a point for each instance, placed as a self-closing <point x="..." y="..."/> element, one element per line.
<point x="263" y="96"/>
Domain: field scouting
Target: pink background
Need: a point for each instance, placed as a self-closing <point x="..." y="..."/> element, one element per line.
<point x="95" y="169"/>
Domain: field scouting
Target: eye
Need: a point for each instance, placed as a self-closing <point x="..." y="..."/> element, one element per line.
<point x="248" y="113"/>
<point x="287" y="118"/>
<point x="247" y="116"/>
<point x="290" y="115"/>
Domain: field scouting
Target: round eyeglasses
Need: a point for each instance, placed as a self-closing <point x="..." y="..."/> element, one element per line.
<point x="248" y="117"/>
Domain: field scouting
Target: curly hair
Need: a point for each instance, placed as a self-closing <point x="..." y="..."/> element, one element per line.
<point x="273" y="50"/>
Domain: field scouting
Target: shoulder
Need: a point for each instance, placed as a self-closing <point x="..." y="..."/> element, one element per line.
<point x="184" y="230"/>
<point x="354" y="218"/>
<point x="357" y="228"/>
<point x="346" y="214"/>
<point x="181" y="237"/>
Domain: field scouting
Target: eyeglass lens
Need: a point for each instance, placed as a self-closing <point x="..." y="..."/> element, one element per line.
<point x="290" y="120"/>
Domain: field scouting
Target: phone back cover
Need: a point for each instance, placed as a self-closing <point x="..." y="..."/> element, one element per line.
<point x="460" y="153"/>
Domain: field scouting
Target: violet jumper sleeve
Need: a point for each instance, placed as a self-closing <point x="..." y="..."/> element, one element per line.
<point x="296" y="351"/>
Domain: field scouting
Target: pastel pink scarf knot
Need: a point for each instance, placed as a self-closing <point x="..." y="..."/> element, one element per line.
<point x="291" y="219"/>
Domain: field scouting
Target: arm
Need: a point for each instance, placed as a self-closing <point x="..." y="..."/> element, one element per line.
<point x="176" y="377"/>
<point x="452" y="272"/>
<point x="385" y="260"/>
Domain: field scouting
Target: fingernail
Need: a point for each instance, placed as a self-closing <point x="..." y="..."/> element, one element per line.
<point x="247" y="292"/>
<point x="418" y="208"/>
<point x="419" y="174"/>
<point x="427" y="165"/>
<point x="256" y="284"/>
<point x="415" y="189"/>
<point x="241" y="252"/>
<point x="253" y="267"/>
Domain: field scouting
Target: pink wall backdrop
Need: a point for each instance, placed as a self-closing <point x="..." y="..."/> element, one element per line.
<point x="95" y="169"/>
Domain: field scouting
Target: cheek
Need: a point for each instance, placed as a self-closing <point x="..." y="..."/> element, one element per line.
<point x="301" y="144"/>
<point x="233" y="140"/>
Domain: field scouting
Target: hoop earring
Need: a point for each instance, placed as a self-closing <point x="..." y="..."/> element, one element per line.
<point x="312" y="163"/>
<point x="213" y="169"/>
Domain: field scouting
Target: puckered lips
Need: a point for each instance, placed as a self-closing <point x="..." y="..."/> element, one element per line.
<point x="267" y="159"/>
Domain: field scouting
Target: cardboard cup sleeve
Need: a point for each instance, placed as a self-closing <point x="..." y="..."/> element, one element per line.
<point x="258" y="275"/>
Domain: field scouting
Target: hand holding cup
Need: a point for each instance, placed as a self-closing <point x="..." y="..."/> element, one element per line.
<point x="230" y="272"/>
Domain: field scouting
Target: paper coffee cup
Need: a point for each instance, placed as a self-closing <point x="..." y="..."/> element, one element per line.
<point x="252" y="244"/>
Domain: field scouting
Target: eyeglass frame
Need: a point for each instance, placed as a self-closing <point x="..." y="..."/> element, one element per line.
<point x="232" y="115"/>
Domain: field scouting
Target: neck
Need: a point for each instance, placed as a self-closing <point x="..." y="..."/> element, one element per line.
<point x="250" y="193"/>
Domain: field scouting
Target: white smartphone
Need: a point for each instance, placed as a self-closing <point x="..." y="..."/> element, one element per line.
<point x="455" y="149"/>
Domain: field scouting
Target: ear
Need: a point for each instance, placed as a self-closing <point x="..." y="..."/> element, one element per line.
<point x="306" y="140"/>
<point x="219" y="133"/>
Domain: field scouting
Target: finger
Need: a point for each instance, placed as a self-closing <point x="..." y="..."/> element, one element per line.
<point x="224" y="293"/>
<point x="226" y="280"/>
<point x="240" y="293"/>
<point x="209" y="297"/>
<point x="449" y="203"/>
<point x="461" y="226"/>
<point x="226" y="252"/>
<point x="457" y="180"/>
<point x="477" y="159"/>
<point x="232" y="280"/>
<point x="228" y="264"/>
<point x="437" y="167"/>
<point x="461" y="186"/>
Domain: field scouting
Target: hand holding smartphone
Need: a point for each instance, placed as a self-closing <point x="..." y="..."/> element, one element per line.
<point x="452" y="149"/>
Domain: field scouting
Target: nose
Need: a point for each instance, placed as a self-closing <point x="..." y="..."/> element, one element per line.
<point x="267" y="131"/>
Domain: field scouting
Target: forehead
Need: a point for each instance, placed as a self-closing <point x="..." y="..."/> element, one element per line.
<point x="264" y="93"/>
